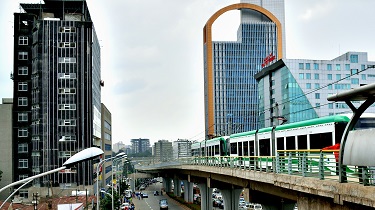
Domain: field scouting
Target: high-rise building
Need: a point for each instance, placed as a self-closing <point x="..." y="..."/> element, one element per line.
<point x="6" y="163"/>
<point x="231" y="92"/>
<point x="140" y="145"/>
<point x="163" y="151"/>
<point x="297" y="89"/>
<point x="181" y="148"/>
<point x="56" y="91"/>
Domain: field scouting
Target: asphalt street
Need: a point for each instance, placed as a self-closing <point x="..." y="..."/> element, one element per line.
<point x="152" y="202"/>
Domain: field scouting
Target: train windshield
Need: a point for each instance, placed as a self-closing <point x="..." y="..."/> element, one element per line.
<point x="365" y="123"/>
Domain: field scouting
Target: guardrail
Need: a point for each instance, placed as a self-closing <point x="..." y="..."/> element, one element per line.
<point x="321" y="164"/>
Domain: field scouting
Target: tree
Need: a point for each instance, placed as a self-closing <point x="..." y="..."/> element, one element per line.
<point x="106" y="202"/>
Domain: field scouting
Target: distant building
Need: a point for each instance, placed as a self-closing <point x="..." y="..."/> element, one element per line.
<point x="6" y="163"/>
<point x="118" y="146"/>
<point x="181" y="148"/>
<point x="106" y="127"/>
<point x="140" y="145"/>
<point x="297" y="89"/>
<point x="162" y="151"/>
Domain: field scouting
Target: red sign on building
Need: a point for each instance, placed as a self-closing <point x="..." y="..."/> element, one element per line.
<point x="268" y="60"/>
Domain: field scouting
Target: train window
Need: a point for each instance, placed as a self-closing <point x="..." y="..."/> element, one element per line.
<point x="365" y="123"/>
<point x="239" y="148"/>
<point x="290" y="143"/>
<point x="246" y="148"/>
<point x="233" y="148"/>
<point x="264" y="147"/>
<point x="302" y="142"/>
<point x="217" y="151"/>
<point x="280" y="143"/>
<point x="320" y="140"/>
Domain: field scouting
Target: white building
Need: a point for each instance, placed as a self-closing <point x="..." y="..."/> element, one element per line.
<point x="297" y="89"/>
<point x="181" y="148"/>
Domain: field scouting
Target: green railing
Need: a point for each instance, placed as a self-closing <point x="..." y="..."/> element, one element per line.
<point x="321" y="164"/>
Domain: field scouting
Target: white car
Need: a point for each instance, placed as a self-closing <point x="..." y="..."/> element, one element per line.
<point x="125" y="206"/>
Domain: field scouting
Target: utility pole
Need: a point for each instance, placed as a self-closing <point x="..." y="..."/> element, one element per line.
<point x="35" y="200"/>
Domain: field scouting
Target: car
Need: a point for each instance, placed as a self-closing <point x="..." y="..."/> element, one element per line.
<point x="125" y="206"/>
<point x="144" y="195"/>
<point x="216" y="202"/>
<point x="163" y="203"/>
<point x="156" y="193"/>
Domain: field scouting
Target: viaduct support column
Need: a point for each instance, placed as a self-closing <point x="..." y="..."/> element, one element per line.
<point x="187" y="191"/>
<point x="167" y="184"/>
<point x="177" y="186"/>
<point x="206" y="196"/>
<point x="231" y="198"/>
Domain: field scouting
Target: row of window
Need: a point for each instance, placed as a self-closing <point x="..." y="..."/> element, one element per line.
<point x="307" y="66"/>
<point x="335" y="86"/>
<point x="330" y="76"/>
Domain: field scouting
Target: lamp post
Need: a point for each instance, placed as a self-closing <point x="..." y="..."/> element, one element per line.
<point x="97" y="175"/>
<point x="118" y="156"/>
<point x="86" y="154"/>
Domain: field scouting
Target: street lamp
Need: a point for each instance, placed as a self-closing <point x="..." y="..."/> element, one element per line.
<point x="119" y="155"/>
<point x="86" y="154"/>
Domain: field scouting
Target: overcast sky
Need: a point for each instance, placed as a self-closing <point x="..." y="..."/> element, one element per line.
<point x="152" y="54"/>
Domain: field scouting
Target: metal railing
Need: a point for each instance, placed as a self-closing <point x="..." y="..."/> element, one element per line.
<point x="320" y="164"/>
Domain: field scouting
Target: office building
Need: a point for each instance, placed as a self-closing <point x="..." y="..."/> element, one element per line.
<point x="56" y="91"/>
<point x="140" y="145"/>
<point x="106" y="122"/>
<point x="6" y="163"/>
<point x="163" y="151"/>
<point x="231" y="92"/>
<point x="181" y="148"/>
<point x="297" y="89"/>
<point x="118" y="146"/>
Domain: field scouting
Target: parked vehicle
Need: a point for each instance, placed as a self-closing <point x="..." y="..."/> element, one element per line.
<point x="144" y="195"/>
<point x="156" y="193"/>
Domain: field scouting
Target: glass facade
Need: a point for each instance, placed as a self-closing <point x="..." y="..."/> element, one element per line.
<point x="235" y="64"/>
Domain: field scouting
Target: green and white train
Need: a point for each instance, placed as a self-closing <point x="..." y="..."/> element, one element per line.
<point x="305" y="135"/>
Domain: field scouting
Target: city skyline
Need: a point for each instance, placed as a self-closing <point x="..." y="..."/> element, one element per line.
<point x="154" y="83"/>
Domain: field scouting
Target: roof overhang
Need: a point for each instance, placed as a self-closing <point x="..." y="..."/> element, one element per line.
<point x="357" y="94"/>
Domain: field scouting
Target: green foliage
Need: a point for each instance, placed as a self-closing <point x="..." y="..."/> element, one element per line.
<point x="183" y="202"/>
<point x="106" y="202"/>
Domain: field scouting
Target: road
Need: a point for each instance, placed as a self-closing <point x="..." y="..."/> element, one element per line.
<point x="152" y="202"/>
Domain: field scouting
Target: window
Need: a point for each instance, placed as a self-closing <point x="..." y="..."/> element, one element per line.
<point x="108" y="147"/>
<point x="317" y="95"/>
<point x="308" y="76"/>
<point x="22" y="148"/>
<point x="107" y="136"/>
<point x="67" y="60"/>
<point x="22" y="101"/>
<point x="22" y="176"/>
<point x="308" y="66"/>
<point x="355" y="81"/>
<point x="308" y="85"/>
<point x="338" y="76"/>
<point x="316" y="66"/>
<point x="24" y="193"/>
<point x="338" y="67"/>
<point x="316" y="76"/>
<point x="353" y="58"/>
<point x="22" y="86"/>
<point x="22" y="55"/>
<point x="300" y="65"/>
<point x="23" y="163"/>
<point x="329" y="67"/>
<point x="67" y="107"/>
<point x="347" y="67"/>
<point x="347" y="76"/>
<point x="67" y="90"/>
<point x="363" y="76"/>
<point x="330" y="106"/>
<point x="329" y="76"/>
<point x="22" y="117"/>
<point x="317" y="105"/>
<point x="67" y="29"/>
<point x="363" y="67"/>
<point x="67" y="122"/>
<point x="317" y="85"/>
<point x="23" y="40"/>
<point x="301" y="76"/>
<point x="329" y="87"/>
<point x="22" y="70"/>
<point x="67" y="44"/>
<point x="272" y="82"/>
<point x="354" y="71"/>
<point x="22" y="132"/>
<point x="107" y="125"/>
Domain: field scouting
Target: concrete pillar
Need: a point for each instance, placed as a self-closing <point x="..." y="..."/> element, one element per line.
<point x="186" y="190"/>
<point x="177" y="187"/>
<point x="231" y="198"/>
<point x="167" y="185"/>
<point x="190" y="187"/>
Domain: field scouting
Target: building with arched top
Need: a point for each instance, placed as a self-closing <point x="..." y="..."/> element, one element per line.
<point x="231" y="91"/>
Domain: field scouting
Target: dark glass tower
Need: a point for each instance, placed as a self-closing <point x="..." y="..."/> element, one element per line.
<point x="56" y="90"/>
